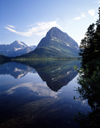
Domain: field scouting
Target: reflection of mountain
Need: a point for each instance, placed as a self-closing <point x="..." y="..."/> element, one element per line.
<point x="55" y="73"/>
<point x="40" y="88"/>
<point x="17" y="70"/>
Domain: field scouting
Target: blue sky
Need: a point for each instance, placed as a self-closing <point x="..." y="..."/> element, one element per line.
<point x="29" y="20"/>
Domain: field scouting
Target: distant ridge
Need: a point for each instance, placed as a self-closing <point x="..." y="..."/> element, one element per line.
<point x="55" y="44"/>
<point x="16" y="48"/>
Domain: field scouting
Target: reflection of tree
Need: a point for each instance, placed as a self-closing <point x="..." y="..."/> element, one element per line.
<point x="92" y="120"/>
<point x="89" y="79"/>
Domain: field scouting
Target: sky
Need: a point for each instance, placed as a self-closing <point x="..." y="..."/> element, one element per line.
<point x="29" y="20"/>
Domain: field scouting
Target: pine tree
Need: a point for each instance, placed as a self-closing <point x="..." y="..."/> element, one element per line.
<point x="90" y="45"/>
<point x="87" y="44"/>
<point x="96" y="41"/>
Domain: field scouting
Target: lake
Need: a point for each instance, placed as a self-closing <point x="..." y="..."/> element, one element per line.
<point x="40" y="94"/>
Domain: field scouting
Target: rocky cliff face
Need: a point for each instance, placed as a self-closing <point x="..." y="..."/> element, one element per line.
<point x="57" y="40"/>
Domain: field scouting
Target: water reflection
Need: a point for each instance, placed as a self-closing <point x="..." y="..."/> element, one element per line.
<point x="33" y="94"/>
<point x="55" y="73"/>
<point x="17" y="70"/>
<point x="89" y="90"/>
<point x="40" y="88"/>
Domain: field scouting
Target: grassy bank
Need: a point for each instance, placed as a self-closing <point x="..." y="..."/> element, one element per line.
<point x="43" y="59"/>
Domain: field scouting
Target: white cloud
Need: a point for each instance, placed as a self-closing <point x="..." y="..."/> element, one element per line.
<point x="97" y="1"/>
<point x="91" y="12"/>
<point x="11" y="29"/>
<point x="40" y="29"/>
<point x="83" y="15"/>
<point x="77" y="18"/>
<point x="11" y="26"/>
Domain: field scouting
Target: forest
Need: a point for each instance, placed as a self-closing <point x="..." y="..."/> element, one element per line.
<point x="89" y="76"/>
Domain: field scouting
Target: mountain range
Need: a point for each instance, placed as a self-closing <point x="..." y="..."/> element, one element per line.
<point x="16" y="48"/>
<point x="55" y="44"/>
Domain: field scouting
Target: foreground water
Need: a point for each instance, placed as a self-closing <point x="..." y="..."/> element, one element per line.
<point x="40" y="95"/>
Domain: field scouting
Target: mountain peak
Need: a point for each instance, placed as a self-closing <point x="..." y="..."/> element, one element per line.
<point x="15" y="49"/>
<point x="58" y="41"/>
<point x="57" y="33"/>
<point x="54" y="28"/>
<point x="54" y="32"/>
<point x="18" y="43"/>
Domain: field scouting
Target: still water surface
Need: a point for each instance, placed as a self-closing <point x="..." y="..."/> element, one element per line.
<point x="40" y="95"/>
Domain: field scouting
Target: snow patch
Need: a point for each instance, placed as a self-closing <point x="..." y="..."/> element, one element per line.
<point x="16" y="49"/>
<point x="21" y="43"/>
<point x="56" y="39"/>
<point x="68" y="45"/>
<point x="68" y="72"/>
<point x="57" y="48"/>
<point x="20" y="76"/>
<point x="52" y="39"/>
<point x="17" y="70"/>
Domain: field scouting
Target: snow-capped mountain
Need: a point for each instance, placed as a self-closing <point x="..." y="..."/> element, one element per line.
<point x="16" y="48"/>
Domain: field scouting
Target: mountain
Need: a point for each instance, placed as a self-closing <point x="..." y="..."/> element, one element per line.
<point x="16" y="48"/>
<point x="32" y="47"/>
<point x="55" y="44"/>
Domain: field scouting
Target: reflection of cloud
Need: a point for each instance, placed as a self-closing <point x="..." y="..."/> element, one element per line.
<point x="40" y="88"/>
<point x="84" y="102"/>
